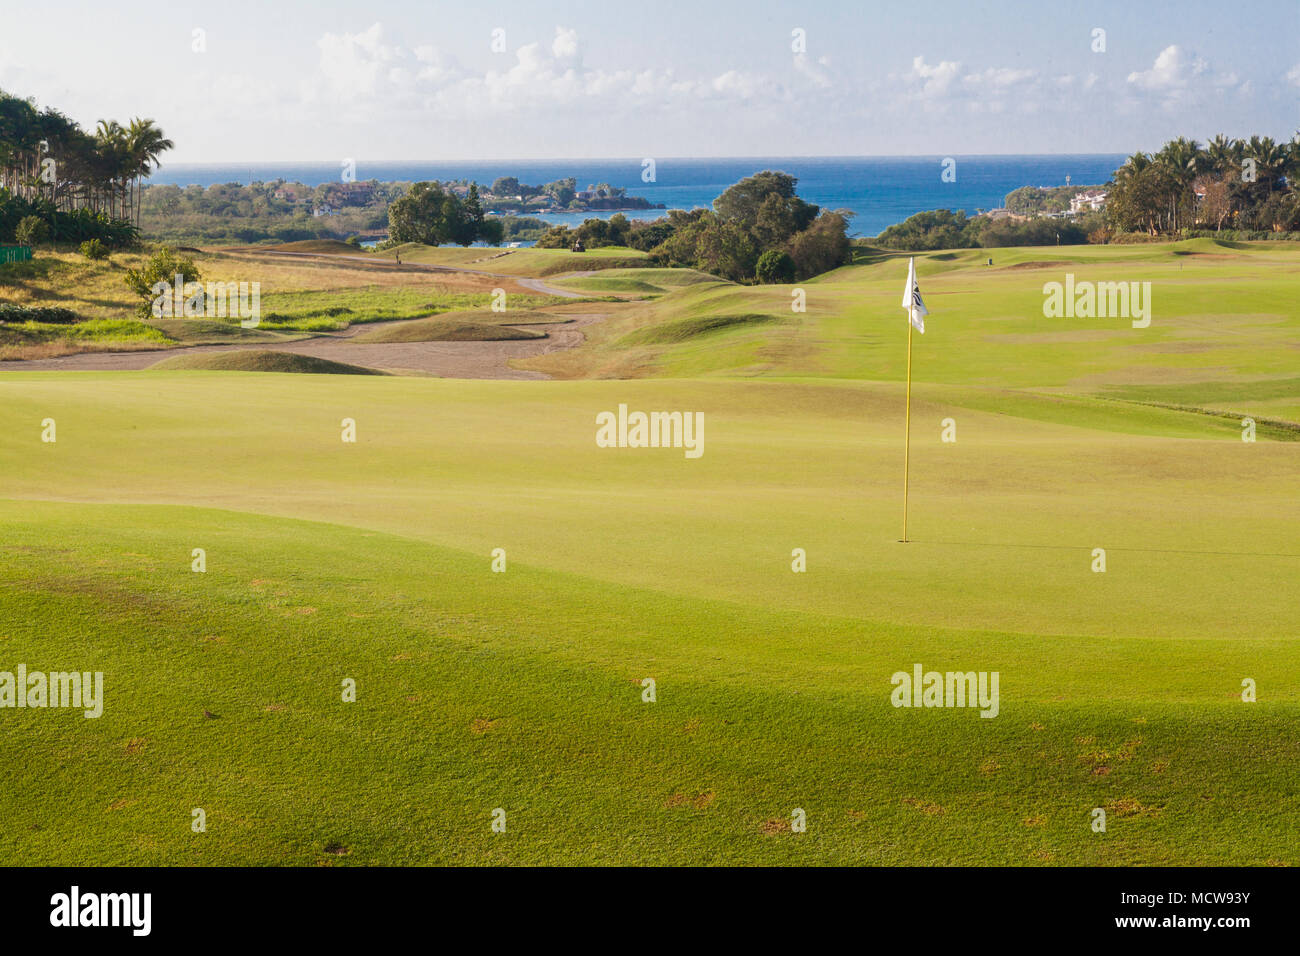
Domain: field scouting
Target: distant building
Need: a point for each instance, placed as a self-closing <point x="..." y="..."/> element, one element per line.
<point x="324" y="209"/>
<point x="1092" y="200"/>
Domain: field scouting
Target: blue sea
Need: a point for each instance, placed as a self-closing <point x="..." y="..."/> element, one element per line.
<point x="879" y="191"/>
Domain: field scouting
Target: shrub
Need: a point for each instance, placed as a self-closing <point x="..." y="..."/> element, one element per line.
<point x="93" y="249"/>
<point x="31" y="230"/>
<point x="775" y="266"/>
<point x="49" y="315"/>
<point x="163" y="266"/>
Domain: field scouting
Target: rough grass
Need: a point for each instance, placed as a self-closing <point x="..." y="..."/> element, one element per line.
<point x="42" y="340"/>
<point x="517" y="262"/>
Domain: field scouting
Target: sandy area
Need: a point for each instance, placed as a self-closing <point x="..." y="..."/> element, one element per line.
<point x="443" y="359"/>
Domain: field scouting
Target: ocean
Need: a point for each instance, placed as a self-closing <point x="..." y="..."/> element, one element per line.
<point x="879" y="191"/>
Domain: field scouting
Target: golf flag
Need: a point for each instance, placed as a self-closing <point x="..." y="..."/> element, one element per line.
<point x="916" y="310"/>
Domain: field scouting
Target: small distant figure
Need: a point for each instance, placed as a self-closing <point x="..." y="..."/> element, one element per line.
<point x="578" y="246"/>
<point x="990" y="260"/>
<point x="399" y="257"/>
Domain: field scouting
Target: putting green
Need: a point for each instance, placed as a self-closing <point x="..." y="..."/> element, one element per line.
<point x="523" y="690"/>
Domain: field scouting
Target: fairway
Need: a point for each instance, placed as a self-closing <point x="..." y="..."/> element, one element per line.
<point x="523" y="689"/>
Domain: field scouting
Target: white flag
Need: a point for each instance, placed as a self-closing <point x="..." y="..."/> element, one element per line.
<point x="916" y="310"/>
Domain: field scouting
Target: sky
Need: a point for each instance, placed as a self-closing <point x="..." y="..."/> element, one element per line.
<point x="389" y="80"/>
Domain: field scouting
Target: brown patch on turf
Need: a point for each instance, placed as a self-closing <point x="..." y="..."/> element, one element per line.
<point x="857" y="814"/>
<point x="775" y="825"/>
<point x="404" y="656"/>
<point x="1044" y="855"/>
<point x="212" y="639"/>
<point x="990" y="766"/>
<point x="1039" y="264"/>
<point x="135" y="746"/>
<point x="336" y="849"/>
<point x="1160" y="766"/>
<point x="306" y="610"/>
<point x="1102" y="771"/>
<point x="1034" y="821"/>
<point x="484" y="724"/>
<point x="701" y="801"/>
<point x="1129" y="807"/>
<point x="1036" y="726"/>
<point x="691" y="725"/>
<point x="121" y="804"/>
<point x="274" y="708"/>
<point x="1100" y="759"/>
<point x="925" y="806"/>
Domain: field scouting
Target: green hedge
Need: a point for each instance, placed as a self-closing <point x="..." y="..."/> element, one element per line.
<point x="49" y="315"/>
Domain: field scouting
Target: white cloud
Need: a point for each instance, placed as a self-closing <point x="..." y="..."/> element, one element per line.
<point x="565" y="45"/>
<point x="355" y="64"/>
<point x="1293" y="75"/>
<point x="933" y="80"/>
<point x="814" y="70"/>
<point x="997" y="79"/>
<point x="1173" y="69"/>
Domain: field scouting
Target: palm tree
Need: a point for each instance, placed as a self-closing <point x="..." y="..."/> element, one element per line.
<point x="1135" y="164"/>
<point x="1222" y="153"/>
<point x="1270" y="159"/>
<point x="145" y="143"/>
<point x="1184" y="160"/>
<point x="110" y="142"/>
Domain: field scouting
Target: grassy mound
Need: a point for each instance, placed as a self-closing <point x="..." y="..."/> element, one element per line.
<point x="211" y="332"/>
<point x="440" y="329"/>
<point x="686" y="329"/>
<point x="261" y="360"/>
<point x="609" y="284"/>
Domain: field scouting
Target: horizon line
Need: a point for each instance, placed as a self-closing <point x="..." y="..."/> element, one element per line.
<point x="588" y="159"/>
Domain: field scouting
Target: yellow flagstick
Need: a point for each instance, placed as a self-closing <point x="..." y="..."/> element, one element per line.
<point x="907" y="441"/>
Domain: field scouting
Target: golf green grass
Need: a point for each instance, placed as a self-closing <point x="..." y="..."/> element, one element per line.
<point x="522" y="690"/>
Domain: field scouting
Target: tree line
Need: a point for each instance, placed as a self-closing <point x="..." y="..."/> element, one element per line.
<point x="47" y="159"/>
<point x="1240" y="183"/>
<point x="758" y="230"/>
<point x="1185" y="189"/>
